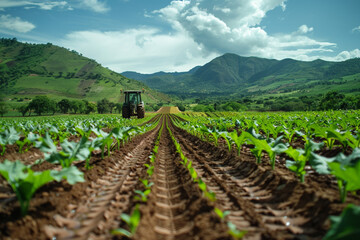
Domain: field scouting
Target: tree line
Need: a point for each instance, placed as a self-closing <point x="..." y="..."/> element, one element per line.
<point x="41" y="105"/>
<point x="332" y="100"/>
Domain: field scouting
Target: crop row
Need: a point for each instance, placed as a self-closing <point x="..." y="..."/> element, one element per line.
<point x="24" y="181"/>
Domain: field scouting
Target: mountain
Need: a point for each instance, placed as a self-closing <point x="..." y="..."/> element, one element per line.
<point x="27" y="70"/>
<point x="233" y="75"/>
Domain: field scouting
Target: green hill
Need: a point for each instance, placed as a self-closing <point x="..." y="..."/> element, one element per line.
<point x="27" y="70"/>
<point x="233" y="75"/>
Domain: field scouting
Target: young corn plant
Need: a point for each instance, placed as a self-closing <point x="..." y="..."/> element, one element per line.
<point x="132" y="222"/>
<point x="274" y="147"/>
<point x="106" y="139"/>
<point x="238" y="140"/>
<point x="222" y="214"/>
<point x="301" y="157"/>
<point x="345" y="168"/>
<point x="234" y="232"/>
<point x="9" y="136"/>
<point x="26" y="182"/>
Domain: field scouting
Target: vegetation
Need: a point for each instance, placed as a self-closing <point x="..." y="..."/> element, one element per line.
<point x="29" y="69"/>
<point x="231" y="77"/>
<point x="274" y="133"/>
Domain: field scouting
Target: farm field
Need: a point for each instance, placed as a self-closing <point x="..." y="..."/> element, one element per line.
<point x="179" y="176"/>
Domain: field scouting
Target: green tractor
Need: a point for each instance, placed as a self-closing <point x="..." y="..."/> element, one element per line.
<point x="133" y="105"/>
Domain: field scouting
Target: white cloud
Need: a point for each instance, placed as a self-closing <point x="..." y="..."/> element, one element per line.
<point x="44" y="5"/>
<point x="344" y="55"/>
<point x="201" y="30"/>
<point x="234" y="26"/>
<point x="145" y="50"/>
<point x="8" y="22"/>
<point x="95" y="5"/>
<point x="303" y="29"/>
<point x="356" y="29"/>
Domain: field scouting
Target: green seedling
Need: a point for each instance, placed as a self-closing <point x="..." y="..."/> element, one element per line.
<point x="142" y="195"/>
<point x="301" y="157"/>
<point x="150" y="169"/>
<point x="132" y="222"/>
<point x="25" y="182"/>
<point x="221" y="214"/>
<point x="146" y="183"/>
<point x="345" y="168"/>
<point x="234" y="232"/>
<point x="9" y="136"/>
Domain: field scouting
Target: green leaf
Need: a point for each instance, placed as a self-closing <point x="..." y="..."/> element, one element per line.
<point x="233" y="231"/>
<point x="13" y="171"/>
<point x="320" y="163"/>
<point x="24" y="181"/>
<point x="71" y="174"/>
<point x="346" y="226"/>
<point x="121" y="231"/>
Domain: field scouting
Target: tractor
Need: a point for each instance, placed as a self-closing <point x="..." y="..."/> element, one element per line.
<point x="133" y="106"/>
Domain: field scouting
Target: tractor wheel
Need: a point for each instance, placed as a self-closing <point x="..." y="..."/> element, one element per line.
<point x="125" y="112"/>
<point x="140" y="112"/>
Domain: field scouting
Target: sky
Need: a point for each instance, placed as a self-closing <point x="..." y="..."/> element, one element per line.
<point x="163" y="35"/>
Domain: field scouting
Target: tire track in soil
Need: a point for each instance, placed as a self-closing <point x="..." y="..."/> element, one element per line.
<point x="254" y="196"/>
<point x="176" y="208"/>
<point x="171" y="217"/>
<point x="105" y="199"/>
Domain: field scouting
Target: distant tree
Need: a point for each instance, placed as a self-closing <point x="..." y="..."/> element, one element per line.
<point x="64" y="105"/>
<point x="4" y="108"/>
<point x="77" y="106"/>
<point x="111" y="106"/>
<point x="52" y="106"/>
<point x="23" y="109"/>
<point x="118" y="107"/>
<point x="103" y="106"/>
<point x="40" y="104"/>
<point x="89" y="107"/>
<point x="331" y="100"/>
<point x="349" y="102"/>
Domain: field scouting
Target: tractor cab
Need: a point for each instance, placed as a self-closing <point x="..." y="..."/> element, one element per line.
<point x="133" y="105"/>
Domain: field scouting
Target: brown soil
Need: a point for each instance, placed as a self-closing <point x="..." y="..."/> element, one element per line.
<point x="167" y="110"/>
<point x="268" y="204"/>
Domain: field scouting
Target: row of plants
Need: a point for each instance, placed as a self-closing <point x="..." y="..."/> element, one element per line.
<point x="132" y="221"/>
<point x="25" y="182"/>
<point x="22" y="133"/>
<point x="233" y="231"/>
<point x="345" y="168"/>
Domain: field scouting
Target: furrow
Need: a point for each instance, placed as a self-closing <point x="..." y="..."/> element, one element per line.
<point x="251" y="194"/>
<point x="171" y="216"/>
<point x="104" y="200"/>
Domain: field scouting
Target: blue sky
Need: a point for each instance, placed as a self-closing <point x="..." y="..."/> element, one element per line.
<point x="159" y="35"/>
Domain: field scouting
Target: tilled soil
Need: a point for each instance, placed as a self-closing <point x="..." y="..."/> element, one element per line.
<point x="268" y="204"/>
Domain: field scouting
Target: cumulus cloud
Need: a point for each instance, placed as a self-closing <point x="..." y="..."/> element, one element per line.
<point x="234" y="26"/>
<point x="201" y="30"/>
<point x="15" y="24"/>
<point x="144" y="50"/>
<point x="344" y="55"/>
<point x="95" y="5"/>
<point x="303" y="29"/>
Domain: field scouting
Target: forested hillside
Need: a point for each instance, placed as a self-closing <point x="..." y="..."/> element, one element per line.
<point x="27" y="70"/>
